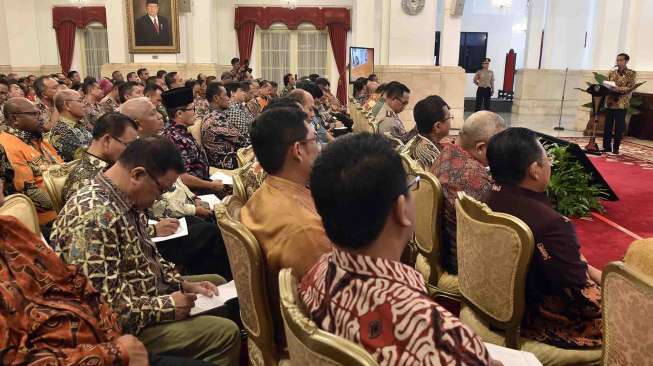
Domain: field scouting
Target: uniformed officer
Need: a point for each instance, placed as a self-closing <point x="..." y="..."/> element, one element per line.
<point x="396" y="99"/>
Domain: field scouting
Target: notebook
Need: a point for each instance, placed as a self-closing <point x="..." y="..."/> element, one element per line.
<point x="203" y="303"/>
<point x="211" y="199"/>
<point x="512" y="357"/>
<point x="226" y="179"/>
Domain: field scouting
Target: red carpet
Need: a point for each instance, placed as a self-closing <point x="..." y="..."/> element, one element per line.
<point x="602" y="243"/>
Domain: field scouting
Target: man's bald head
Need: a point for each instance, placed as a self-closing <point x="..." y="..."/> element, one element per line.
<point x="17" y="114"/>
<point x="136" y="108"/>
<point x="145" y="114"/>
<point x="480" y="126"/>
<point x="305" y="99"/>
<point x="63" y="96"/>
<point x="15" y="105"/>
<point x="372" y="86"/>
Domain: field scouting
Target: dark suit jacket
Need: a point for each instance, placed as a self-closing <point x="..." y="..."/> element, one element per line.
<point x="146" y="35"/>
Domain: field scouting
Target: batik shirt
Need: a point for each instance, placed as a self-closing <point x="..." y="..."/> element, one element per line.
<point x="93" y="112"/>
<point x="625" y="81"/>
<point x="221" y="140"/>
<point x="109" y="105"/>
<point x="50" y="313"/>
<point x="101" y="231"/>
<point x="45" y="112"/>
<point x="178" y="203"/>
<point x="286" y="90"/>
<point x="239" y="117"/>
<point x="201" y="107"/>
<point x="424" y="151"/>
<point x="69" y="136"/>
<point x="195" y="160"/>
<point x="384" y="306"/>
<point x="81" y="171"/>
<point x="29" y="155"/>
<point x="458" y="171"/>
<point x="6" y="173"/>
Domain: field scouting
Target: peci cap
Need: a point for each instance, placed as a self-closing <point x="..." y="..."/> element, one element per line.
<point x="177" y="97"/>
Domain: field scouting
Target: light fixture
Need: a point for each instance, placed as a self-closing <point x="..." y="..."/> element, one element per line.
<point x="290" y="4"/>
<point x="501" y="4"/>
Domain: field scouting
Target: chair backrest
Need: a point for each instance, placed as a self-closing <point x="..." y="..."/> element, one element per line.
<point x="373" y="127"/>
<point x="428" y="198"/>
<point x="247" y="179"/>
<point x="22" y="208"/>
<point x="309" y="345"/>
<point x="196" y="131"/>
<point x="494" y="254"/>
<point x="245" y="155"/>
<point x="248" y="267"/>
<point x="54" y="179"/>
<point x="627" y="307"/>
<point x="640" y="256"/>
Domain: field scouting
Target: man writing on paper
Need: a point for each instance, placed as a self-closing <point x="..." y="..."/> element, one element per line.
<point x="102" y="229"/>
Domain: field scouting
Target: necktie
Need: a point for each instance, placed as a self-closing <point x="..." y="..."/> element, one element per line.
<point x="156" y="26"/>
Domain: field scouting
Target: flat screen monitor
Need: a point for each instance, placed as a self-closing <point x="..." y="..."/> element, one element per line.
<point x="361" y="62"/>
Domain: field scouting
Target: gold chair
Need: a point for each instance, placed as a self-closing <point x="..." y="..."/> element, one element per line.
<point x="54" y="179"/>
<point x="627" y="307"/>
<point x="429" y="201"/>
<point x="494" y="254"/>
<point x="640" y="256"/>
<point x="309" y="345"/>
<point x="245" y="155"/>
<point x="248" y="267"/>
<point x="196" y="130"/>
<point x="22" y="208"/>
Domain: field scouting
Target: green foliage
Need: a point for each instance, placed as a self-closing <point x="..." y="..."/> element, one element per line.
<point x="570" y="189"/>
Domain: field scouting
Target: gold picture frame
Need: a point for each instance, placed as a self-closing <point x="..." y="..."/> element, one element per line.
<point x="146" y="37"/>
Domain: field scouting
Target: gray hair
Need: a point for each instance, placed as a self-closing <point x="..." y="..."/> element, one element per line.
<point x="480" y="127"/>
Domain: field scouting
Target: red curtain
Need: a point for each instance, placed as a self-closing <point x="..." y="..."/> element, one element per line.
<point x="66" y="43"/>
<point x="338" y="36"/>
<point x="246" y="40"/>
<point x="65" y="20"/>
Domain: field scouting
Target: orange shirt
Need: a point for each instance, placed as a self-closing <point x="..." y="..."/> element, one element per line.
<point x="28" y="162"/>
<point x="282" y="216"/>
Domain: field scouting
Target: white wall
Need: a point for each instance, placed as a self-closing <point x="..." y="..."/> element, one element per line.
<point x="412" y="38"/>
<point x="564" y="37"/>
<point x="481" y="16"/>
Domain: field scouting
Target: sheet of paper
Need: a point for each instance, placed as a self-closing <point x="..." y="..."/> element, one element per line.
<point x="226" y="179"/>
<point x="211" y="199"/>
<point x="203" y="303"/>
<point x="609" y="84"/>
<point x="182" y="230"/>
<point x="511" y="357"/>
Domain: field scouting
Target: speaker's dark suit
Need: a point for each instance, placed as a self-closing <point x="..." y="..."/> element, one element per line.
<point x="146" y="34"/>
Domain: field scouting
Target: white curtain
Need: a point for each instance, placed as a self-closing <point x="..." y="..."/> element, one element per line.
<point x="312" y="49"/>
<point x="96" y="50"/>
<point x="275" y="55"/>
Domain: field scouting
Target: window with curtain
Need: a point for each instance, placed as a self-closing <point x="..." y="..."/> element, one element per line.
<point x="301" y="52"/>
<point x="96" y="50"/>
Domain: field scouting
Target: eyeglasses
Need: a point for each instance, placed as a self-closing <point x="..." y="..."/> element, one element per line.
<point x="403" y="102"/>
<point x="33" y="113"/>
<point x="162" y="190"/>
<point x="125" y="144"/>
<point x="80" y="100"/>
<point x="308" y="140"/>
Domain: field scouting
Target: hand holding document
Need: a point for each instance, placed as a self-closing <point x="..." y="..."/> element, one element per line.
<point x="204" y="303"/>
<point x="211" y="199"/>
<point x="182" y="230"/>
<point x="226" y="179"/>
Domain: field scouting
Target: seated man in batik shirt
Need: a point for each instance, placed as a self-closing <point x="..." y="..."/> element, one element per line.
<point x="29" y="155"/>
<point x="110" y="101"/>
<point x="433" y="120"/>
<point x="361" y="291"/>
<point x="181" y="110"/>
<point x="92" y="96"/>
<point x="563" y="296"/>
<point x="237" y="114"/>
<point x="280" y="213"/>
<point x="220" y="138"/>
<point x="103" y="229"/>
<point x="70" y="135"/>
<point x="462" y="167"/>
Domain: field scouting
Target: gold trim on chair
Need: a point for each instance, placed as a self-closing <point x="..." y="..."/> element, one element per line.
<point x="627" y="295"/>
<point x="196" y="131"/>
<point x="245" y="155"/>
<point x="22" y="208"/>
<point x="54" y="179"/>
<point x="248" y="267"/>
<point x="309" y="345"/>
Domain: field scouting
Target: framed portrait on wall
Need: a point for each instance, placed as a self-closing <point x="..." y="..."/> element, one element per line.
<point x="153" y="26"/>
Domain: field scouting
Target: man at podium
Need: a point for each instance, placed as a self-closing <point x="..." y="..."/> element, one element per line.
<point x="621" y="82"/>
